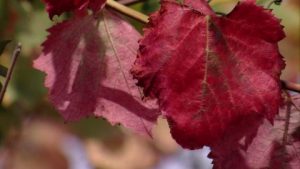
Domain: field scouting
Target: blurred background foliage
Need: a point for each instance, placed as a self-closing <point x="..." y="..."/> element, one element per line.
<point x="34" y="136"/>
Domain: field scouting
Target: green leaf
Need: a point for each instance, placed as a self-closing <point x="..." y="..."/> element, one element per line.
<point x="3" y="44"/>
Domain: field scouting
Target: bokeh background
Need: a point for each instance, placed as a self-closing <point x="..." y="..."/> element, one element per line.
<point x="34" y="136"/>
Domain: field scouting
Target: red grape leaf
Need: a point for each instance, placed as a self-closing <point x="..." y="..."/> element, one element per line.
<point x="207" y="71"/>
<point x="269" y="147"/>
<point x="57" y="7"/>
<point x="87" y="63"/>
<point x="200" y="5"/>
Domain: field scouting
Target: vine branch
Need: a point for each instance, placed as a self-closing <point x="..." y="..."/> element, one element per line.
<point x="291" y="86"/>
<point x="127" y="11"/>
<point x="15" y="56"/>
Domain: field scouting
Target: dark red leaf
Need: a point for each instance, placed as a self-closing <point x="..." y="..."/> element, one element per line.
<point x="96" y="5"/>
<point x="87" y="63"/>
<point x="209" y="72"/>
<point x="200" y="5"/>
<point x="57" y="7"/>
<point x="269" y="147"/>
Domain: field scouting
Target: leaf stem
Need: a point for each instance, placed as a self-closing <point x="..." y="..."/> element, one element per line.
<point x="127" y="11"/>
<point x="291" y="86"/>
<point x="15" y="55"/>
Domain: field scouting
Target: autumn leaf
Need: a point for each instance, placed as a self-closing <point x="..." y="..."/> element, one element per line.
<point x="210" y="72"/>
<point x="87" y="63"/>
<point x="270" y="147"/>
<point x="200" y="5"/>
<point x="57" y="7"/>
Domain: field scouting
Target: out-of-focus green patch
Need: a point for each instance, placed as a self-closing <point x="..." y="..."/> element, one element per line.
<point x="263" y="2"/>
<point x="28" y="83"/>
<point x="3" y="71"/>
<point x="37" y="4"/>
<point x="3" y="15"/>
<point x="223" y="6"/>
<point x="8" y="120"/>
<point x="3" y="44"/>
<point x="93" y="127"/>
<point x="150" y="6"/>
<point x="35" y="32"/>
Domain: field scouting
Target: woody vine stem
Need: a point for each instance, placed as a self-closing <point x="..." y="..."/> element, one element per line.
<point x="15" y="56"/>
<point x="119" y="7"/>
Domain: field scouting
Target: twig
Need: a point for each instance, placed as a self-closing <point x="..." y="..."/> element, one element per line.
<point x="127" y="11"/>
<point x="291" y="86"/>
<point x="15" y="55"/>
